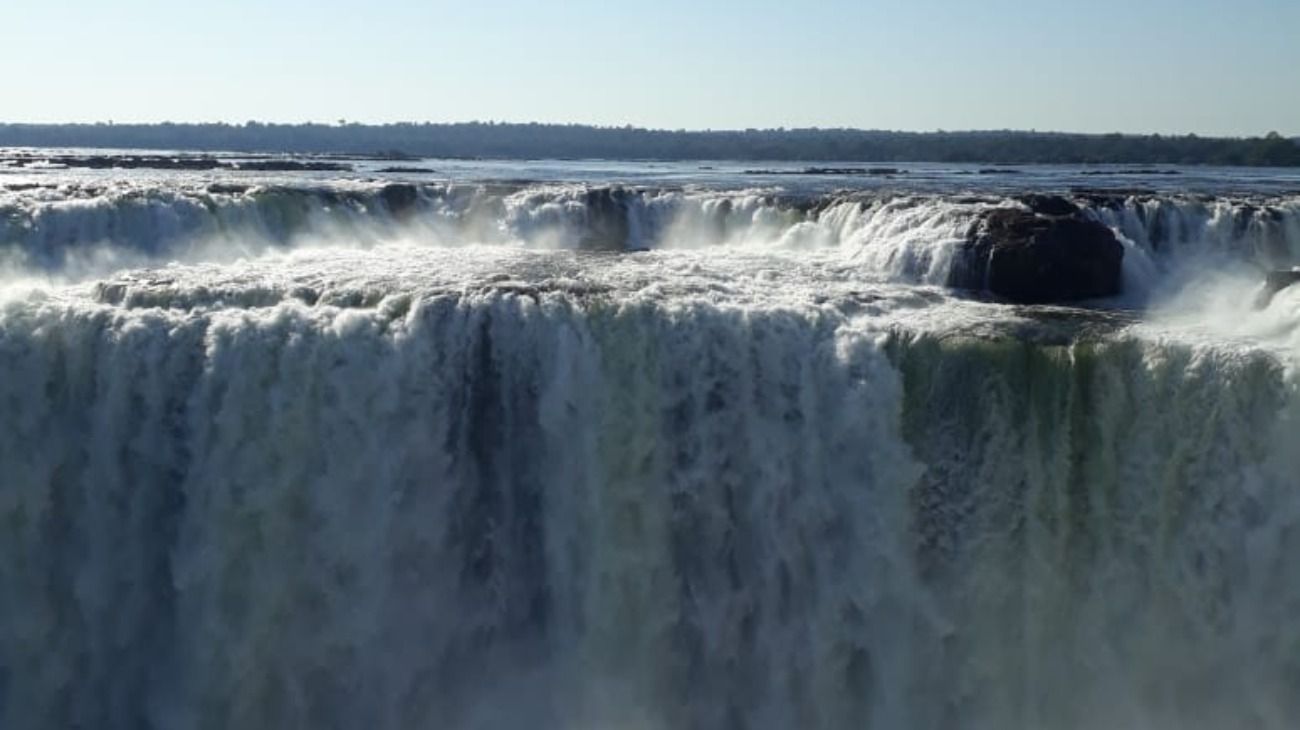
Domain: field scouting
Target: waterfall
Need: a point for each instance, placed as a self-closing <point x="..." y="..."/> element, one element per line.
<point x="562" y="509"/>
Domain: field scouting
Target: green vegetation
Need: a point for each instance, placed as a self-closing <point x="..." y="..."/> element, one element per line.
<point x="480" y="139"/>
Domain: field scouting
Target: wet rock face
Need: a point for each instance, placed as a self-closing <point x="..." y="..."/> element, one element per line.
<point x="1274" y="282"/>
<point x="1046" y="253"/>
<point x="1053" y="205"/>
<point x="607" y="220"/>
<point x="400" y="199"/>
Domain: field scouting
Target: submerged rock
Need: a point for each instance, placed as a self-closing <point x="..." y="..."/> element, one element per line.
<point x="1046" y="254"/>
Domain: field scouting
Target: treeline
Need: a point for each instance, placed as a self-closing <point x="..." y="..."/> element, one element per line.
<point x="499" y="140"/>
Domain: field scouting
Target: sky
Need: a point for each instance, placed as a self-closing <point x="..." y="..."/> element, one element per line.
<point x="1149" y="66"/>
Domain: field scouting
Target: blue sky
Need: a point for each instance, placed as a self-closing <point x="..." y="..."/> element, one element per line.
<point x="1103" y="65"/>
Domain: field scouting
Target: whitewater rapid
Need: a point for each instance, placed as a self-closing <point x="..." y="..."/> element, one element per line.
<point x="474" y="459"/>
<point x="81" y="231"/>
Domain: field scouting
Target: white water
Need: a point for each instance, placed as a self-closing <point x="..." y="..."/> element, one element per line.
<point x="375" y="473"/>
<point x="79" y="233"/>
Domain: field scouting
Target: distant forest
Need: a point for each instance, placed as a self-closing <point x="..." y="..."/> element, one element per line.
<point x="518" y="141"/>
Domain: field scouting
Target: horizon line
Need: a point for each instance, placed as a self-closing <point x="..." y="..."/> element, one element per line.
<point x="344" y="123"/>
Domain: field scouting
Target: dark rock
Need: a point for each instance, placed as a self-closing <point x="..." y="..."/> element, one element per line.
<point x="227" y="189"/>
<point x="106" y="293"/>
<point x="717" y="219"/>
<point x="137" y="162"/>
<point x="1279" y="280"/>
<point x="305" y="294"/>
<point x="1113" y="199"/>
<point x="607" y="223"/>
<point x="289" y="166"/>
<point x="189" y="162"/>
<point x="1242" y="217"/>
<point x="400" y="199"/>
<point x="1053" y="205"/>
<point x="852" y="171"/>
<point x="875" y="171"/>
<point x="1028" y="258"/>
<point x="1274" y="282"/>
<point x="407" y="170"/>
<point x="1143" y="171"/>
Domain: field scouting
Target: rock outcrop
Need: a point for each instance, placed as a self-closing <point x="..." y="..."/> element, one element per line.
<point x="187" y="162"/>
<point x="1046" y="252"/>
<point x="607" y="226"/>
<point x="400" y="199"/>
<point x="1275" y="282"/>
